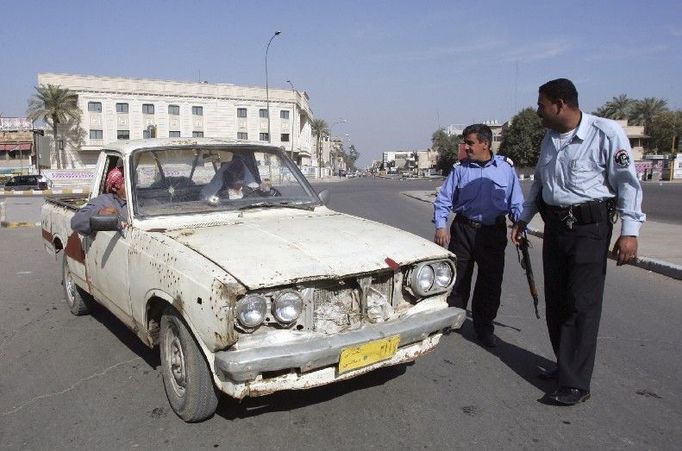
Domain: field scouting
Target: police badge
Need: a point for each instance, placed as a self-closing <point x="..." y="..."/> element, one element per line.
<point x="622" y="158"/>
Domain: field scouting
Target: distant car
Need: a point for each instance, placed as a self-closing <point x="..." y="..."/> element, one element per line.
<point x="341" y="173"/>
<point x="26" y="182"/>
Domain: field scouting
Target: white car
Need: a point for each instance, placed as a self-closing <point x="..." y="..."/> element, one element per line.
<point x="252" y="289"/>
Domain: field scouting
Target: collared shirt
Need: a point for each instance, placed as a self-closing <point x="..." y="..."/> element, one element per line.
<point x="80" y="222"/>
<point x="594" y="163"/>
<point x="479" y="191"/>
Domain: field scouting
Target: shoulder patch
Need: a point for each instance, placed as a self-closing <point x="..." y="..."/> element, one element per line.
<point x="622" y="158"/>
<point x="509" y="161"/>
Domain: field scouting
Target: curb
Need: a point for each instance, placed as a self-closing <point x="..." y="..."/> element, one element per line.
<point x="46" y="192"/>
<point x="650" y="264"/>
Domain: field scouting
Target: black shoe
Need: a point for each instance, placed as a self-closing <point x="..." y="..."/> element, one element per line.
<point x="488" y="340"/>
<point x="548" y="375"/>
<point x="567" y="396"/>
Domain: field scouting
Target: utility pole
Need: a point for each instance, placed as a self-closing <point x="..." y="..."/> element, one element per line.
<point x="267" y="89"/>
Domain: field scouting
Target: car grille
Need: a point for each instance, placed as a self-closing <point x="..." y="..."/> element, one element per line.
<point x="339" y="306"/>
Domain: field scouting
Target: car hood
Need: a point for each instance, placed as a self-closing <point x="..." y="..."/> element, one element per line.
<point x="269" y="251"/>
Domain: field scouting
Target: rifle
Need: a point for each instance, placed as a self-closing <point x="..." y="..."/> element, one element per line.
<point x="524" y="260"/>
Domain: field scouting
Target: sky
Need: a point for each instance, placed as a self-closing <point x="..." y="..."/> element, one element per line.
<point x="395" y="71"/>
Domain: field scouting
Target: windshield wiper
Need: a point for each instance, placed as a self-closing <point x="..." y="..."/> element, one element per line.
<point x="283" y="204"/>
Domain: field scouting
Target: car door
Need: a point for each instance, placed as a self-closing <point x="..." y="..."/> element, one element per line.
<point x="107" y="265"/>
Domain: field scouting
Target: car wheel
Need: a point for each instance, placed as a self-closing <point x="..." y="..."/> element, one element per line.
<point x="76" y="298"/>
<point x="186" y="375"/>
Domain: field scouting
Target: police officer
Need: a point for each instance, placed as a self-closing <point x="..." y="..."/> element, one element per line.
<point x="584" y="176"/>
<point x="480" y="190"/>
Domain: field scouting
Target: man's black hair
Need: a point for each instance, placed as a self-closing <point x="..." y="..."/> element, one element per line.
<point x="561" y="88"/>
<point x="482" y="131"/>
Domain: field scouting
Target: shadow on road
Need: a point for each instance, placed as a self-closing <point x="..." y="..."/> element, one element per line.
<point x="125" y="335"/>
<point x="523" y="362"/>
<point x="284" y="401"/>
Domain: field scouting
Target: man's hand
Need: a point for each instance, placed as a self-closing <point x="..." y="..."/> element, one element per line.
<point x="517" y="232"/>
<point x="442" y="237"/>
<point x="108" y="211"/>
<point x="625" y="249"/>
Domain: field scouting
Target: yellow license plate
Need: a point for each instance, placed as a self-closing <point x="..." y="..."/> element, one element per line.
<point x="366" y="354"/>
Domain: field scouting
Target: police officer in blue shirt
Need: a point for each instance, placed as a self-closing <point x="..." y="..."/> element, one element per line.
<point x="584" y="178"/>
<point x="480" y="190"/>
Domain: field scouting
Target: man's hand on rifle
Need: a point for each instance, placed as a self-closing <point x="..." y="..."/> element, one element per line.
<point x="517" y="232"/>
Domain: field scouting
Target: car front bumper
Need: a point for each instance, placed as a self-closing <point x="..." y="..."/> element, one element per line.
<point x="313" y="352"/>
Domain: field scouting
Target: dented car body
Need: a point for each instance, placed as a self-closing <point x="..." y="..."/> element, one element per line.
<point x="246" y="281"/>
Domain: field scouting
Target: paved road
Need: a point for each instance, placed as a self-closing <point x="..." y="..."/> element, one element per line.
<point x="85" y="383"/>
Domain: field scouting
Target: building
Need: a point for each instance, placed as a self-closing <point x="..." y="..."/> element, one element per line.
<point x="17" y="146"/>
<point x="638" y="140"/>
<point x="115" y="108"/>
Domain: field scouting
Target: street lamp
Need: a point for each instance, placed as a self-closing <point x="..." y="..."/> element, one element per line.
<point x="293" y="119"/>
<point x="267" y="91"/>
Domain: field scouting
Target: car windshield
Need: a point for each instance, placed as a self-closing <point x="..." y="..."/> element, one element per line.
<point x="209" y="179"/>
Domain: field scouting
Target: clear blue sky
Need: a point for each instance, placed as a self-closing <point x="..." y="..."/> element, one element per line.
<point x="395" y="70"/>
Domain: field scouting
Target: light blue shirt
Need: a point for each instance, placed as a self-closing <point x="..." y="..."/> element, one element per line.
<point x="594" y="163"/>
<point x="481" y="192"/>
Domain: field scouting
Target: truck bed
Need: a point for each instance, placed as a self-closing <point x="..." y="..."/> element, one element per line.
<point x="70" y="201"/>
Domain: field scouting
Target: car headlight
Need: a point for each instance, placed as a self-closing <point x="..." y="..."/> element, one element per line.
<point x="443" y="274"/>
<point x="250" y="311"/>
<point x="287" y="307"/>
<point x="429" y="278"/>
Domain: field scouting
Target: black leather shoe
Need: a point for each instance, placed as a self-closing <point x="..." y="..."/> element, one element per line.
<point x="488" y="340"/>
<point x="548" y="375"/>
<point x="567" y="396"/>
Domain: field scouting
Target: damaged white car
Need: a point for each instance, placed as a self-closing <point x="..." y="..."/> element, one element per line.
<point x="247" y="282"/>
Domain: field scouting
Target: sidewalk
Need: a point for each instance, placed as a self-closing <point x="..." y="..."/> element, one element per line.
<point x="659" y="249"/>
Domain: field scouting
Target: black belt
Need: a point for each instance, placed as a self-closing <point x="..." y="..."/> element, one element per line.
<point x="499" y="221"/>
<point x="586" y="213"/>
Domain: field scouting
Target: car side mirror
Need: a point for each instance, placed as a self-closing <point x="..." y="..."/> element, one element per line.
<point x="104" y="222"/>
<point x="324" y="196"/>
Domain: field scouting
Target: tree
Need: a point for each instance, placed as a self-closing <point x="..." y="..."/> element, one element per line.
<point x="618" y="107"/>
<point x="521" y="140"/>
<point x="351" y="158"/>
<point x="319" y="128"/>
<point x="54" y="105"/>
<point x="447" y="147"/>
<point x="665" y="130"/>
<point x="644" y="111"/>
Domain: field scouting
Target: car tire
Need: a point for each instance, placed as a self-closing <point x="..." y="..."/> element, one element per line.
<point x="187" y="377"/>
<point x="77" y="299"/>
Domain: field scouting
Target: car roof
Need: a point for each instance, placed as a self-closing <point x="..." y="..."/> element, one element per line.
<point x="130" y="146"/>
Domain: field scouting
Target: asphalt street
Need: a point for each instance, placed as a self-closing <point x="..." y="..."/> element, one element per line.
<point x="88" y="383"/>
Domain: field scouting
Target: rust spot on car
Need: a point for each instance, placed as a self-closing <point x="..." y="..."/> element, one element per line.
<point x="74" y="248"/>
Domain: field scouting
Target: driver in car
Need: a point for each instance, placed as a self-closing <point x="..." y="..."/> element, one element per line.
<point x="112" y="202"/>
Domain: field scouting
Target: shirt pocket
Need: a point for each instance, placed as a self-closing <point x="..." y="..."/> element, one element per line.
<point x="499" y="195"/>
<point x="583" y="174"/>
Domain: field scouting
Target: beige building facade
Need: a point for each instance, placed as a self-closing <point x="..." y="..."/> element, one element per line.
<point x="116" y="108"/>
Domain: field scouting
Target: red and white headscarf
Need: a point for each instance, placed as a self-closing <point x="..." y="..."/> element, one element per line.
<point x="114" y="180"/>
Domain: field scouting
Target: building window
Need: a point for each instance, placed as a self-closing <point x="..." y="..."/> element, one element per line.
<point x="263" y="136"/>
<point x="147" y="108"/>
<point x="95" y="107"/>
<point x="174" y="110"/>
<point x="241" y="112"/>
<point x="121" y="107"/>
<point x="96" y="134"/>
<point x="122" y="134"/>
<point x="242" y="135"/>
<point x="197" y="134"/>
<point x="197" y="110"/>
<point x="174" y="134"/>
<point x="284" y="114"/>
<point x="263" y="113"/>
<point x="284" y="137"/>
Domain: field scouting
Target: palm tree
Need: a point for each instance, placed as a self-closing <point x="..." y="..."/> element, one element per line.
<point x="617" y="108"/>
<point x="644" y="111"/>
<point x="54" y="105"/>
<point x="319" y="129"/>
